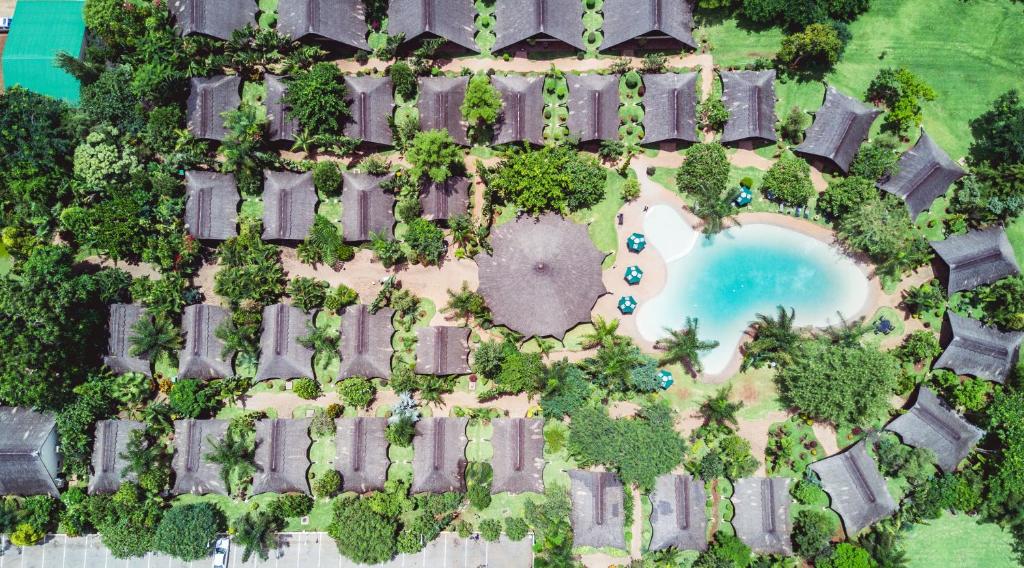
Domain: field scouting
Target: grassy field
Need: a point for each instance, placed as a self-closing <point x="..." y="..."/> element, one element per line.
<point x="958" y="540"/>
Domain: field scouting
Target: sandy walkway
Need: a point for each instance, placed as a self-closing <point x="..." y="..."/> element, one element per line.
<point x="744" y="158"/>
<point x="637" y="542"/>
<point x="827" y="437"/>
<point x="135" y="270"/>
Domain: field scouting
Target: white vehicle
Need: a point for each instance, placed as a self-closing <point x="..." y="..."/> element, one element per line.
<point x="220" y="552"/>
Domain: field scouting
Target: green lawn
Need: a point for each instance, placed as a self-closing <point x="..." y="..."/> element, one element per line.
<point x="1014" y="231"/>
<point x="958" y="540"/>
<point x="601" y="217"/>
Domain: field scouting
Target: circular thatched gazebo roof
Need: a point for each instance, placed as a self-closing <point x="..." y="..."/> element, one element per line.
<point x="543" y="277"/>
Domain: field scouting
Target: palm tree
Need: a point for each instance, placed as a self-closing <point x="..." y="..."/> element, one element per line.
<point x="256" y="532"/>
<point x="158" y="417"/>
<point x="154" y="336"/>
<point x="466" y="304"/>
<point x="546" y="346"/>
<point x="848" y="333"/>
<point x="773" y="337"/>
<point x="234" y="454"/>
<point x="604" y="332"/>
<point x="718" y="409"/>
<point x="323" y="341"/>
<point x="683" y="346"/>
<point x="462" y="230"/>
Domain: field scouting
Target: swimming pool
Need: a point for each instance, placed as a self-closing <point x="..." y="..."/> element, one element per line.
<point x="743" y="271"/>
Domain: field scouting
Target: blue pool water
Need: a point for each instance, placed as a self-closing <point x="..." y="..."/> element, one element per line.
<point x="727" y="280"/>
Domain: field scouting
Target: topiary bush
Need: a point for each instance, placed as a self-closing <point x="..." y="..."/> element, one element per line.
<point x="357" y="391"/>
<point x="307" y="389"/>
<point x="327" y="177"/>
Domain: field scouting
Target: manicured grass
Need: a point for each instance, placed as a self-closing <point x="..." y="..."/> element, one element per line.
<point x="755" y="387"/>
<point x="601" y="217"/>
<point x="1014" y="231"/>
<point x="5" y="260"/>
<point x="959" y="540"/>
<point x="733" y="46"/>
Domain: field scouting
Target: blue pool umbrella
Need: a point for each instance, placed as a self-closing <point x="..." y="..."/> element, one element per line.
<point x="666" y="378"/>
<point x="627" y="304"/>
<point x="636" y="242"/>
<point x="633" y="275"/>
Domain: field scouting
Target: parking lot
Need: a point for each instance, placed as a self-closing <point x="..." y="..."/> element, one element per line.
<point x="298" y="550"/>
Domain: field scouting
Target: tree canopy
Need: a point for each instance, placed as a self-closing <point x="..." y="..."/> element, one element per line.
<point x="552" y="178"/>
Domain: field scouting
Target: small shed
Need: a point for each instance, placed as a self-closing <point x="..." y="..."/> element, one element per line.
<point x="361" y="450"/>
<point x="282" y="456"/>
<point x="441" y="201"/>
<point x="209" y="98"/>
<point x="289" y="205"/>
<point x="857" y="488"/>
<point x="518" y="459"/>
<point x="749" y="96"/>
<point x="203" y="354"/>
<point x="544" y="22"/>
<point x="522" y="109"/>
<point x="121" y="325"/>
<point x="439" y="455"/>
<point x="442" y="350"/>
<point x="110" y="444"/>
<point x="28" y="444"/>
<point x="365" y="207"/>
<point x="594" y="107"/>
<point x="450" y="20"/>
<point x="215" y="18"/>
<point x="979" y="257"/>
<point x="762" y="514"/>
<point x="670" y="107"/>
<point x="281" y="354"/>
<point x="931" y="424"/>
<point x="979" y="350"/>
<point x="366" y="342"/>
<point x="923" y="174"/>
<point x="678" y="518"/>
<point x="440" y="106"/>
<point x="371" y="103"/>
<point x="598" y="517"/>
<point x="193" y="472"/>
<point x="211" y="205"/>
<point x="281" y="127"/>
<point x="341" y="22"/>
<point x="840" y="126"/>
<point x="667" y="22"/>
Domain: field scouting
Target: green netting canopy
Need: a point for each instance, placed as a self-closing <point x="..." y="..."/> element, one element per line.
<point x="40" y="30"/>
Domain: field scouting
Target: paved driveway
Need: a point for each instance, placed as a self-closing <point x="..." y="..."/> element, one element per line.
<point x="297" y="550"/>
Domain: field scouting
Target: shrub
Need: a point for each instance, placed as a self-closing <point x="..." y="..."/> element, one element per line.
<point x="316" y="98"/>
<point x="327" y="484"/>
<point x="876" y="159"/>
<point x="325" y="243"/>
<point x="882" y="229"/>
<point x="401" y="432"/>
<point x="340" y="297"/>
<point x="490" y="529"/>
<point x="362" y="534"/>
<point x="426" y="241"/>
<point x="357" y="392"/>
<point x="705" y="173"/>
<point x="322" y="425"/>
<point x="902" y="93"/>
<point x="919" y="346"/>
<point x="845" y="195"/>
<point x="789" y="181"/>
<point x="307" y="293"/>
<point x="478" y="483"/>
<point x="552" y="178"/>
<point x="27" y="535"/>
<point x="712" y="114"/>
<point x="308" y="389"/>
<point x="187" y="531"/>
<point x="435" y="155"/>
<point x="630" y="189"/>
<point x="291" y="505"/>
<point x="818" y="45"/>
<point x="327" y="177"/>
<point x="516" y="528"/>
<point x="812" y="532"/>
<point x="192" y="398"/>
<point x="404" y="79"/>
<point x="794" y="124"/>
<point x="482" y="102"/>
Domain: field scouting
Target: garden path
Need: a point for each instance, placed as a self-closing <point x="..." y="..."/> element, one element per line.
<point x="827" y="437"/>
<point x="636" y="543"/>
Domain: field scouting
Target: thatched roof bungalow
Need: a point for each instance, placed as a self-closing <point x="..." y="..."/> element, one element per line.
<point x="442" y="350"/>
<point x="211" y="205"/>
<point x="678" y="519"/>
<point x="214" y="18"/>
<point x="840" y="126"/>
<point x="923" y="174"/>
<point x="366" y="342"/>
<point x="282" y="456"/>
<point x="749" y="96"/>
<point x="858" y="490"/>
<point x="28" y="444"/>
<point x="108" y="447"/>
<point x="193" y="472"/>
<point x="977" y="258"/>
<point x="202" y="358"/>
<point x="371" y="102"/>
<point x="121" y="324"/>
<point x="545" y="22"/>
<point x="598" y="517"/>
<point x="289" y="205"/>
<point x="441" y="201"/>
<point x="979" y="350"/>
<point x="669" y="23"/>
<point x="762" y="514"/>
<point x="593" y="107"/>
<point x="522" y="109"/>
<point x="933" y="425"/>
<point x="281" y="354"/>
<point x="518" y="459"/>
<point x="439" y="455"/>
<point x="450" y="20"/>
<point x="670" y="107"/>
<point x="338" y="21"/>
<point x="440" y="106"/>
<point x="365" y="207"/>
<point x="362" y="453"/>
<point x="209" y="98"/>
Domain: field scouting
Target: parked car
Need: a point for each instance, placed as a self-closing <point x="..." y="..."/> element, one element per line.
<point x="221" y="549"/>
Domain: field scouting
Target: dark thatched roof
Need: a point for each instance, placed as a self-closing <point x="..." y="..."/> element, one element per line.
<point x="281" y="126"/>
<point x="678" y="519"/>
<point x="451" y="20"/>
<point x="520" y="20"/>
<point x="211" y="205"/>
<point x="594" y="107"/>
<point x="340" y="21"/>
<point x="281" y="354"/>
<point x="518" y="460"/>
<point x="933" y="425"/>
<point x="839" y="127"/>
<point x="193" y="472"/>
<point x="365" y="207"/>
<point x="208" y="100"/>
<point x="371" y="102"/>
<point x="201" y="358"/>
<point x="857" y="488"/>
<point x="108" y="465"/>
<point x="362" y="453"/>
<point x="522" y="109"/>
<point x="28" y="453"/>
<point x="977" y="258"/>
<point x="119" y="359"/>
<point x="762" y="514"/>
<point x="923" y="174"/>
<point x="598" y="518"/>
<point x="978" y="350"/>
<point x="442" y="201"/>
<point x="439" y="455"/>
<point x="442" y="350"/>
<point x="670" y="107"/>
<point x="543" y="277"/>
<point x="214" y="18"/>
<point x="289" y="205"/>
<point x="440" y="106"/>
<point x="366" y="342"/>
<point x="627" y="20"/>
<point x="749" y="96"/>
<point x="282" y="456"/>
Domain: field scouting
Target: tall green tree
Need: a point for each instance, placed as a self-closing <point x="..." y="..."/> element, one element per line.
<point x="774" y="338"/>
<point x="154" y="336"/>
<point x="683" y="346"/>
<point x="187" y="531"/>
<point x="482" y="102"/>
<point x="256" y="532"/>
<point x="316" y="98"/>
<point x="434" y="155"/>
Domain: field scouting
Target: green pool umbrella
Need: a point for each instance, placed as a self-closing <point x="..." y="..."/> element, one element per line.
<point x="666" y="378"/>
<point x="636" y="242"/>
<point x="627" y="304"/>
<point x="633" y="275"/>
<point x="744" y="198"/>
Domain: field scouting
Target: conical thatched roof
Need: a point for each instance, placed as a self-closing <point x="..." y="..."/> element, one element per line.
<point x="119" y="359"/>
<point x="28" y="440"/>
<point x="193" y="472"/>
<point x="366" y="342"/>
<point x="281" y="126"/>
<point x="111" y="442"/>
<point x="211" y="205"/>
<point x="214" y="18"/>
<point x="627" y="20"/>
<point x="281" y="354"/>
<point x="201" y="358"/>
<point x="442" y="201"/>
<point x="340" y="21"/>
<point x="442" y="350"/>
<point x="282" y="456"/>
<point x="518" y="460"/>
<point x="362" y="453"/>
<point x="857" y="489"/>
<point x="289" y="205"/>
<point x="933" y="425"/>
<point x="439" y="455"/>
<point x="451" y="20"/>
<point x="670" y="107"/>
<point x="543" y="277"/>
<point x="519" y="20"/>
<point x="749" y="96"/>
<point x="978" y="350"/>
<point x="839" y="127"/>
<point x="594" y="107"/>
<point x="923" y="174"/>
<point x="522" y="109"/>
<point x="371" y="102"/>
<point x="208" y="99"/>
<point x="977" y="258"/>
<point x="365" y="207"/>
<point x="440" y="105"/>
<point x="678" y="519"/>
<point x="598" y="517"/>
<point x="762" y="514"/>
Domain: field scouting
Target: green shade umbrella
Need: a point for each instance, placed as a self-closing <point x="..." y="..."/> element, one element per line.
<point x="627" y="304"/>
<point x="636" y="242"/>
<point x="666" y="378"/>
<point x="633" y="275"/>
<point x="744" y="198"/>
